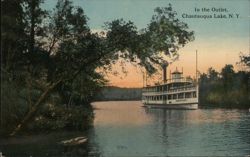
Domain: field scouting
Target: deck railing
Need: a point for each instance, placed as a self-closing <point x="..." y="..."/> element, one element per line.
<point x="182" y="79"/>
<point x="181" y="89"/>
<point x="175" y="90"/>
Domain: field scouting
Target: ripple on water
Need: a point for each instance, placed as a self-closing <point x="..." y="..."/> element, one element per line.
<point x="127" y="129"/>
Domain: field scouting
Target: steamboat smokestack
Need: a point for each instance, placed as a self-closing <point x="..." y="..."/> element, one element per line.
<point x="164" y="71"/>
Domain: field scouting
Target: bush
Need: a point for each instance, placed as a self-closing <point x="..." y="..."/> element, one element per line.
<point x="13" y="105"/>
<point x="57" y="117"/>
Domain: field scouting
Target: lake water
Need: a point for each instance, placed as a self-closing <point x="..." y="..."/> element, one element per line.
<point x="125" y="128"/>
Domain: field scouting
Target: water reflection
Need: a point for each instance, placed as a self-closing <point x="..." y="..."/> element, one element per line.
<point x="128" y="129"/>
<point x="213" y="132"/>
<point x="202" y="132"/>
<point x="45" y="145"/>
<point x="123" y="113"/>
<point x="196" y="116"/>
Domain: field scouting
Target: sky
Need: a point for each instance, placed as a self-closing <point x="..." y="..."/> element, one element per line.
<point x="218" y="41"/>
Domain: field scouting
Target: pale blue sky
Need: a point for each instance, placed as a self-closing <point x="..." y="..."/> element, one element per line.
<point x="218" y="41"/>
<point x="141" y="11"/>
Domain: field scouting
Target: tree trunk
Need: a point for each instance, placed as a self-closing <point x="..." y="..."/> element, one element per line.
<point x="35" y="107"/>
<point x="43" y="97"/>
<point x="32" y="27"/>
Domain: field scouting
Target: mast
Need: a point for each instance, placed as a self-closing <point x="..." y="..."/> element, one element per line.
<point x="196" y="68"/>
<point x="197" y="83"/>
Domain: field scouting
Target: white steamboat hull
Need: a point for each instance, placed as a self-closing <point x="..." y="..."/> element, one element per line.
<point x="189" y="103"/>
<point x="174" y="106"/>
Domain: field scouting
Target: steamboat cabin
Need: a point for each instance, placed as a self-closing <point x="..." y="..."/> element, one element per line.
<point x="177" y="92"/>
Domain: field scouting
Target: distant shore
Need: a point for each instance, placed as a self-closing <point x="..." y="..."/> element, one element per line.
<point x="112" y="93"/>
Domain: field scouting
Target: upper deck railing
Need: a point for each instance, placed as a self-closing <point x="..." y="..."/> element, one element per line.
<point x="169" y="81"/>
<point x="182" y="79"/>
<point x="171" y="90"/>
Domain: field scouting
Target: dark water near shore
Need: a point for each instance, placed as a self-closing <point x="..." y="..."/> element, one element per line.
<point x="127" y="129"/>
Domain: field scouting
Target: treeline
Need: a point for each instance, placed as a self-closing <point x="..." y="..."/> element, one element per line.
<point x="226" y="88"/>
<point x="52" y="64"/>
<point x="112" y="93"/>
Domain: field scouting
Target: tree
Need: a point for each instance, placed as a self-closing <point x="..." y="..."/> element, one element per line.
<point x="13" y="46"/>
<point x="230" y="89"/>
<point x="13" y="34"/>
<point x="164" y="35"/>
<point x="227" y="74"/>
<point x="245" y="60"/>
<point x="62" y="51"/>
<point x="213" y="74"/>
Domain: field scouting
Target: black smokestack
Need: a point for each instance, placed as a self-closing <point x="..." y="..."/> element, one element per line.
<point x="164" y="72"/>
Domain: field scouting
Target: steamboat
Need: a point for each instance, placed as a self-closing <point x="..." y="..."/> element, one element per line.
<point x="176" y="93"/>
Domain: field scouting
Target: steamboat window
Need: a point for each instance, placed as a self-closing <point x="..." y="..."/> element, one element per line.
<point x="159" y="97"/>
<point x="164" y="97"/>
<point x="169" y="97"/>
<point x="164" y="88"/>
<point x="180" y="96"/>
<point x="194" y="94"/>
<point x="187" y="95"/>
<point x="158" y="89"/>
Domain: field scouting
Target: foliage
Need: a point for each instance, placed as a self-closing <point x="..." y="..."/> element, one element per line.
<point x="55" y="117"/>
<point x="225" y="89"/>
<point x="148" y="47"/>
<point x="47" y="53"/>
<point x="13" y="105"/>
<point x="245" y="61"/>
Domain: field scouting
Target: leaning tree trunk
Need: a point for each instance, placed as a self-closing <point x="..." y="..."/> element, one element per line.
<point x="34" y="108"/>
<point x="44" y="96"/>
